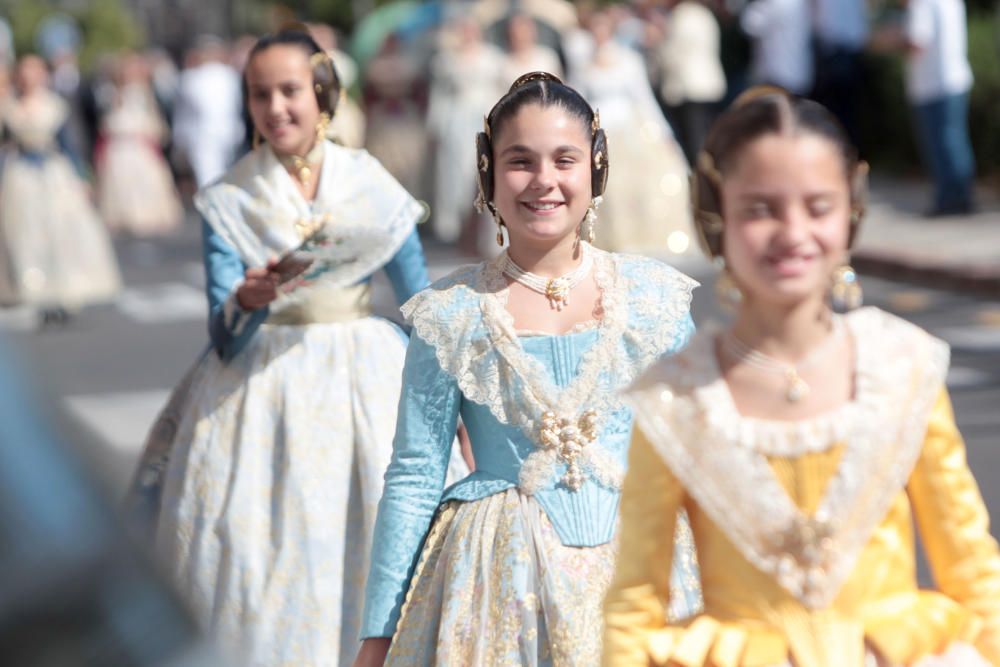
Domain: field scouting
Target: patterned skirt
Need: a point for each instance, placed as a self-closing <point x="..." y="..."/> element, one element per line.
<point x="260" y="484"/>
<point x="495" y="586"/>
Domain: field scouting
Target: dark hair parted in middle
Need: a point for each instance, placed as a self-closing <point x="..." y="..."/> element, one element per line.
<point x="758" y="112"/>
<point x="545" y="90"/>
<point x="326" y="83"/>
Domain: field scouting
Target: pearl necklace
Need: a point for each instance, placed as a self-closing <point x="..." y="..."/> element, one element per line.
<point x="797" y="388"/>
<point x="556" y="290"/>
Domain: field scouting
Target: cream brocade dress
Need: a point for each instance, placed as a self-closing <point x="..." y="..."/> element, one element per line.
<point x="645" y="208"/>
<point x="804" y="529"/>
<point x="269" y="464"/>
<point x="58" y="252"/>
<point x="136" y="189"/>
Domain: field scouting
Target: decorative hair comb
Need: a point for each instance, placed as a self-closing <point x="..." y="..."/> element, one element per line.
<point x="525" y="79"/>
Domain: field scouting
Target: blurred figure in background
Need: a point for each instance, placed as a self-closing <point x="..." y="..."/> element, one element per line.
<point x="208" y="124"/>
<point x="938" y="81"/>
<point x="59" y="254"/>
<point x="840" y="29"/>
<point x="395" y="100"/>
<point x="7" y="53"/>
<point x="57" y="40"/>
<point x="136" y="190"/>
<point x="782" y="46"/>
<point x="645" y="208"/>
<point x="692" y="82"/>
<point x="524" y="53"/>
<point x="467" y="76"/>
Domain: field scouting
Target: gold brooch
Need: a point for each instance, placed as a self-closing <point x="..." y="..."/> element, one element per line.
<point x="599" y="160"/>
<point x="484" y="163"/>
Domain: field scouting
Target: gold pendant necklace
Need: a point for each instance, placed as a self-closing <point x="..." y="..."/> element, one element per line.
<point x="301" y="167"/>
<point x="796" y="389"/>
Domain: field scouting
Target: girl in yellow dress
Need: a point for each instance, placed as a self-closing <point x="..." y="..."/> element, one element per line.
<point x="802" y="443"/>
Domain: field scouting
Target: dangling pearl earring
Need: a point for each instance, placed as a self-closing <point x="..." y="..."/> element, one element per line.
<point x="845" y="289"/>
<point x="500" y="227"/>
<point x="590" y="220"/>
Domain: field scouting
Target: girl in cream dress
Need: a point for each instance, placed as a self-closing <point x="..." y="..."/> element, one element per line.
<point x="136" y="189"/>
<point x="645" y="209"/>
<point x="59" y="256"/>
<point x="264" y="472"/>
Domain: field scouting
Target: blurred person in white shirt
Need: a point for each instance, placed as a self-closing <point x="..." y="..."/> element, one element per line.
<point x="692" y="81"/>
<point x="782" y="43"/>
<point x="208" y="120"/>
<point x="938" y="78"/>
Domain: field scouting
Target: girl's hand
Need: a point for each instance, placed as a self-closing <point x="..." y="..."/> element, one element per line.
<point x="373" y="652"/>
<point x="259" y="288"/>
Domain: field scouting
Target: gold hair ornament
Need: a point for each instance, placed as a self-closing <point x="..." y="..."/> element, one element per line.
<point x="320" y="57"/>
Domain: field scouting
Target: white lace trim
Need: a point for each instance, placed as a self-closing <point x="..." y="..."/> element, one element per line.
<point x="480" y="348"/>
<point x="681" y="407"/>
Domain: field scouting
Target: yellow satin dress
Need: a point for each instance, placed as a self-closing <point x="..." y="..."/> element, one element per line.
<point x="830" y="577"/>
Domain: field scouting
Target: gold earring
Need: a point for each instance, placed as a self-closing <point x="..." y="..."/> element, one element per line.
<point x="500" y="228"/>
<point x="590" y="220"/>
<point x="324" y="122"/>
<point x="845" y="289"/>
<point x="727" y="291"/>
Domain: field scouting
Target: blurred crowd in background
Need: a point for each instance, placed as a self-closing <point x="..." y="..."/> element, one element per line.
<point x="147" y="127"/>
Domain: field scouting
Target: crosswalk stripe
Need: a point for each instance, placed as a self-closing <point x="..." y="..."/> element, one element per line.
<point x="121" y="420"/>
<point x="163" y="302"/>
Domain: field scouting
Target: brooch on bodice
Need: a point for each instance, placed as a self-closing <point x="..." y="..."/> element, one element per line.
<point x="567" y="438"/>
<point x="804" y="548"/>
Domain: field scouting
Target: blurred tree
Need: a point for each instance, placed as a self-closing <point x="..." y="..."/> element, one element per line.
<point x="107" y="25"/>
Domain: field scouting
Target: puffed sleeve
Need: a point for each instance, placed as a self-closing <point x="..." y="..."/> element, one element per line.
<point x="637" y="600"/>
<point x="955" y="526"/>
<point x="407" y="270"/>
<point x="414" y="481"/>
<point x="229" y="326"/>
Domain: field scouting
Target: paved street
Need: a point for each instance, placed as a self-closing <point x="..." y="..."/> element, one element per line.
<point x="113" y="366"/>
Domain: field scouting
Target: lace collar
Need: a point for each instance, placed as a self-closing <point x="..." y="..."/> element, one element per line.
<point x="720" y="457"/>
<point x="464" y="317"/>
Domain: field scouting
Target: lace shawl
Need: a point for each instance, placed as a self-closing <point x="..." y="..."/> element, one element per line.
<point x="463" y="317"/>
<point x="257" y="209"/>
<point x="684" y="407"/>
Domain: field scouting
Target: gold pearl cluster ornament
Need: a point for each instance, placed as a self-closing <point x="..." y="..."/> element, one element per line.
<point x="805" y="546"/>
<point x="567" y="438"/>
<point x="556" y="290"/>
